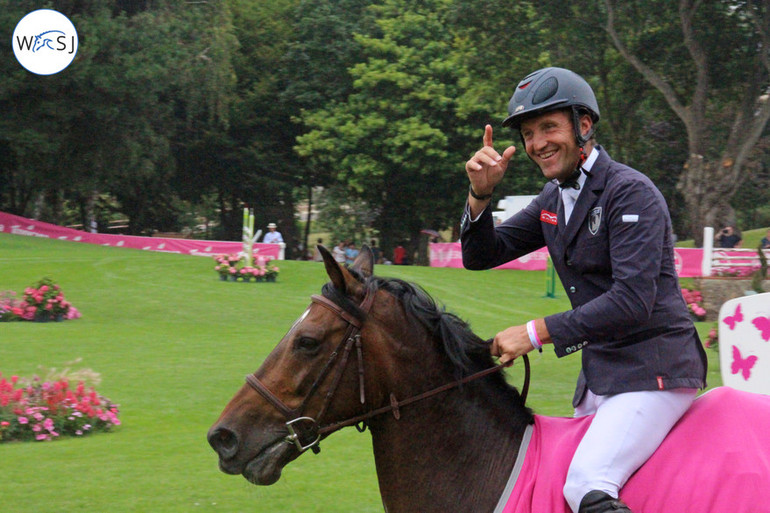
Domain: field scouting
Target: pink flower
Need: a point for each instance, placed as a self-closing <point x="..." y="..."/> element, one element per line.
<point x="23" y="420"/>
<point x="4" y="424"/>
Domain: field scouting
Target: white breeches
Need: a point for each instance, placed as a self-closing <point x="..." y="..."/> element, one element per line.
<point x="627" y="428"/>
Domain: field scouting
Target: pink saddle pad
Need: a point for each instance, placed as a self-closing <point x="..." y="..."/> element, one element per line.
<point x="715" y="460"/>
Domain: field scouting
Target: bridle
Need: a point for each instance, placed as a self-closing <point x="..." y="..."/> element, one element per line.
<point x="305" y="432"/>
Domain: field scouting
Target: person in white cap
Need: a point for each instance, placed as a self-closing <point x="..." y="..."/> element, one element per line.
<point x="273" y="235"/>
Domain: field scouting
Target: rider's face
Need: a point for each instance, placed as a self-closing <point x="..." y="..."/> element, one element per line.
<point x="550" y="142"/>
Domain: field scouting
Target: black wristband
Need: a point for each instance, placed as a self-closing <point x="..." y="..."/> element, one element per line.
<point x="480" y="198"/>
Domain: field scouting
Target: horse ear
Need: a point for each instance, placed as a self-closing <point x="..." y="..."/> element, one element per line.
<point x="364" y="262"/>
<point x="333" y="269"/>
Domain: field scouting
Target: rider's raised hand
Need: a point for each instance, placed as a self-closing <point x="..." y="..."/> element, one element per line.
<point x="487" y="167"/>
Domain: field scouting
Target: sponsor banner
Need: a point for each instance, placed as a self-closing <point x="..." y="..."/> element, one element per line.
<point x="10" y="223"/>
<point x="449" y="254"/>
<point x="688" y="262"/>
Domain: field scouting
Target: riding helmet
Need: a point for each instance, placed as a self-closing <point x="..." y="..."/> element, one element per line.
<point x="550" y="89"/>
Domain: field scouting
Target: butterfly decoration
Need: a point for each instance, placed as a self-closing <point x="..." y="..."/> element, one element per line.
<point x="763" y="325"/>
<point x="732" y="320"/>
<point x="742" y="365"/>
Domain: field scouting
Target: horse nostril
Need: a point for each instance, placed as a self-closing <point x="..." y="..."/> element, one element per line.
<point x="224" y="441"/>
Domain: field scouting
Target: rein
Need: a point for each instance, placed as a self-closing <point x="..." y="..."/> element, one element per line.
<point x="305" y="432"/>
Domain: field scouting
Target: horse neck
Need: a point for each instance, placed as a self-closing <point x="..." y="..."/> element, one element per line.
<point x="452" y="452"/>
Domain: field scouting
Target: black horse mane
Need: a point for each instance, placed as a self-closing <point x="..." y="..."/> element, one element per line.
<point x="467" y="352"/>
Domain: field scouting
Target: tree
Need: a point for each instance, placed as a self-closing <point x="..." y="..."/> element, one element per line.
<point x="395" y="141"/>
<point x="145" y="73"/>
<point x="716" y="82"/>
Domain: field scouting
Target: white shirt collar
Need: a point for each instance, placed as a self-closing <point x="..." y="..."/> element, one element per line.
<point x="589" y="163"/>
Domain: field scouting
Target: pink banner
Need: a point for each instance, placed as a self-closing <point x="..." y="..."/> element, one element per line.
<point x="10" y="223"/>
<point x="449" y="254"/>
<point x="689" y="262"/>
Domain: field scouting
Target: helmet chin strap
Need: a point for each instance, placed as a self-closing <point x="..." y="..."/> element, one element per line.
<point x="572" y="180"/>
<point x="579" y="137"/>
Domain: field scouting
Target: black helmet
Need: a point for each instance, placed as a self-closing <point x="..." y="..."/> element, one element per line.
<point x="550" y="89"/>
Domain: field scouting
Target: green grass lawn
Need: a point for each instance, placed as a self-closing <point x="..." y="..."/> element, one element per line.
<point x="172" y="344"/>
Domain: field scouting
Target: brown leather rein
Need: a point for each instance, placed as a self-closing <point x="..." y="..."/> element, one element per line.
<point x="305" y="432"/>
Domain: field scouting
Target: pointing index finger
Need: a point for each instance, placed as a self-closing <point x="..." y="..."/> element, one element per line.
<point x="488" y="135"/>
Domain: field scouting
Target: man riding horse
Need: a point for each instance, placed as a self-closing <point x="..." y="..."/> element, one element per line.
<point x="608" y="231"/>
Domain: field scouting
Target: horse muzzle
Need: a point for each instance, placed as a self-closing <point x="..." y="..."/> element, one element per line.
<point x="259" y="461"/>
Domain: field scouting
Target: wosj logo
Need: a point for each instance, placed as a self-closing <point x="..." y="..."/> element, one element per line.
<point x="45" y="42"/>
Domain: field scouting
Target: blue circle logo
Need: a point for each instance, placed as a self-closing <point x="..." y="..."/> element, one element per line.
<point x="45" y="42"/>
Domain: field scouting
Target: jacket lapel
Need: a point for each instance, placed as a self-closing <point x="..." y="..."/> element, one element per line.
<point x="594" y="184"/>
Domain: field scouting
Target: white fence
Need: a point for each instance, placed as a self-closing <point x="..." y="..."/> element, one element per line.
<point x="720" y="259"/>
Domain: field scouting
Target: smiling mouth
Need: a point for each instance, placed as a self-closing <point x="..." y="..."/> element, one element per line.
<point x="546" y="155"/>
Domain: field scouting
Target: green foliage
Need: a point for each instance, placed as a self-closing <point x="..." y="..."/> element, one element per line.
<point x="230" y="102"/>
<point x="110" y="121"/>
<point x="396" y="138"/>
<point x="760" y="275"/>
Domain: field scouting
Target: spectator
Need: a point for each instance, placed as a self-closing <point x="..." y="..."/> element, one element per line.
<point x="766" y="240"/>
<point x="273" y="236"/>
<point x="728" y="238"/>
<point x="351" y="252"/>
<point x="399" y="255"/>
<point x="339" y="252"/>
<point x="317" y="257"/>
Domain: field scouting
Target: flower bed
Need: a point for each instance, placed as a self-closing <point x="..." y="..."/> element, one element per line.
<point x="35" y="410"/>
<point x="233" y="268"/>
<point x="734" y="271"/>
<point x="712" y="340"/>
<point x="694" y="301"/>
<point x="42" y="302"/>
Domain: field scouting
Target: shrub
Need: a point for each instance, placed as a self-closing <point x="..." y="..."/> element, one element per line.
<point x="41" y="302"/>
<point x="45" y="410"/>
<point x="694" y="301"/>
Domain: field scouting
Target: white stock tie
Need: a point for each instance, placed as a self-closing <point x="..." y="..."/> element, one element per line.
<point x="569" y="197"/>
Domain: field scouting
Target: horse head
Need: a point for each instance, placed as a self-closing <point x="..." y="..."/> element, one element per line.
<point x="361" y="353"/>
<point x="311" y="377"/>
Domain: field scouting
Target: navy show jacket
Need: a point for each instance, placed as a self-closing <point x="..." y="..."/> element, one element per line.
<point x="616" y="262"/>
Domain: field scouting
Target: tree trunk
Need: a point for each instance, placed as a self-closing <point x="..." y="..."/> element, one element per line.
<point x="706" y="193"/>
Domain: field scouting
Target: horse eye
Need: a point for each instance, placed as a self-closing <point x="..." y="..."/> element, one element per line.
<point x="307" y="344"/>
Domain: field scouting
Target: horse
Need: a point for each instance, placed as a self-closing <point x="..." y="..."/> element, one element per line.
<point x="448" y="432"/>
